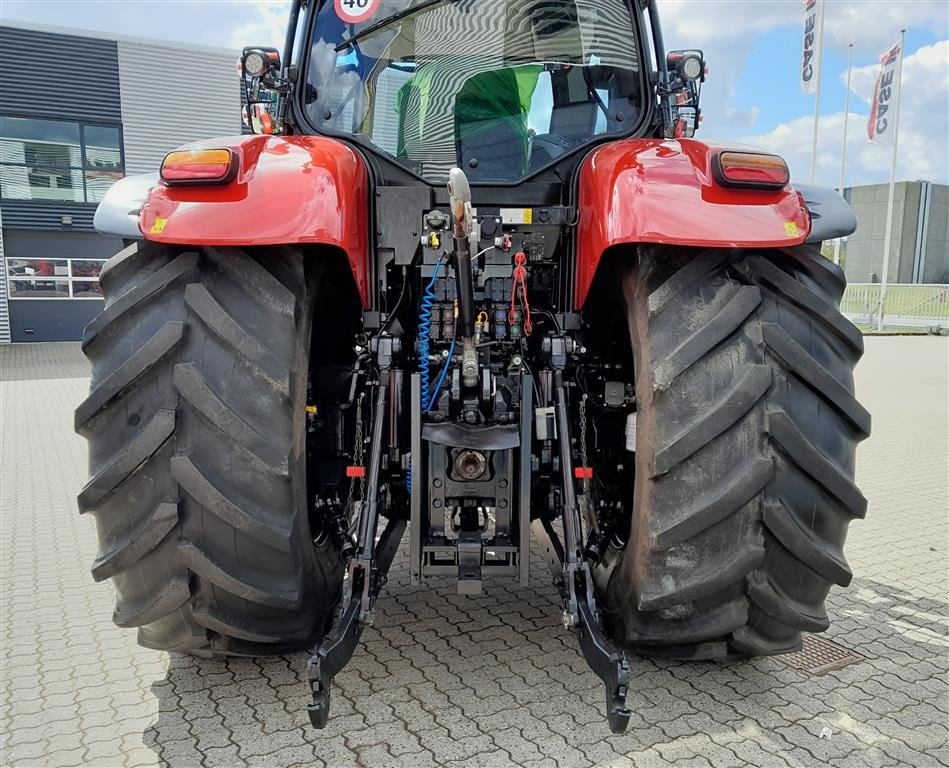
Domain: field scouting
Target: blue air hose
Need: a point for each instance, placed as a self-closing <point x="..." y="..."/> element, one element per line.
<point x="425" y="335"/>
<point x="441" y="379"/>
<point x="424" y="340"/>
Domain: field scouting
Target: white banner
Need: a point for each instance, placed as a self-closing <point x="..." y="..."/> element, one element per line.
<point x="882" y="126"/>
<point x="812" y="44"/>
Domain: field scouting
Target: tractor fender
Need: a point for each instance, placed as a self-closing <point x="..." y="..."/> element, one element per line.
<point x="659" y="191"/>
<point x="288" y="190"/>
<point x="831" y="215"/>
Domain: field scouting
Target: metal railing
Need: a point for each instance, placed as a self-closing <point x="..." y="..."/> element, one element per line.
<point x="907" y="305"/>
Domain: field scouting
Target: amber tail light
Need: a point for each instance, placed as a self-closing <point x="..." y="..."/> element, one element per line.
<point x="199" y="166"/>
<point x="751" y="169"/>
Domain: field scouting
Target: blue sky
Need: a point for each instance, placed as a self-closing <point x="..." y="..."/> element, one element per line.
<point x="753" y="48"/>
<point x="776" y="91"/>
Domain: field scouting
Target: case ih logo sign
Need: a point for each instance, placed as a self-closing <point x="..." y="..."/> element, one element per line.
<point x="811" y="46"/>
<point x="882" y="126"/>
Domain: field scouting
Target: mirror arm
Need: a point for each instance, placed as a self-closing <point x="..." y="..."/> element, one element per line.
<point x="288" y="78"/>
<point x="657" y="40"/>
<point x="291" y="32"/>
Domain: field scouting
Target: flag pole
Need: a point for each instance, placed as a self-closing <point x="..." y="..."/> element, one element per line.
<point x="889" y="203"/>
<point x="820" y="58"/>
<point x="843" y="151"/>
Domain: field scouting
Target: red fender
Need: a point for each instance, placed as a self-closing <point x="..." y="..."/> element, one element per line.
<point x="289" y="189"/>
<point x="655" y="191"/>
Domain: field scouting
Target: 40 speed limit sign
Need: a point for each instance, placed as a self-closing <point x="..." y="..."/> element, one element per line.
<point x="355" y="11"/>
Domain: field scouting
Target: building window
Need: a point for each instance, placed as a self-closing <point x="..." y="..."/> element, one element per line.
<point x="58" y="160"/>
<point x="54" y="278"/>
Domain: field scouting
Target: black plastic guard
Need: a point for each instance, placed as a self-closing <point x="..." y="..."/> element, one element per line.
<point x="831" y="215"/>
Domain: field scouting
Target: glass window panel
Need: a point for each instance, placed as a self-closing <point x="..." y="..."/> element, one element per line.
<point x="15" y="183"/>
<point x="39" y="289"/>
<point x="102" y="149"/>
<point x="477" y="98"/>
<point x="43" y="160"/>
<point x="86" y="289"/>
<point x="41" y="182"/>
<point x="36" y="267"/>
<point x="98" y="183"/>
<point x="102" y="136"/>
<point x="86" y="268"/>
<point x="49" y="131"/>
<point x="39" y="142"/>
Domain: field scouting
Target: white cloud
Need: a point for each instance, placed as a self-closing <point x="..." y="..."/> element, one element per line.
<point x="707" y="22"/>
<point x="736" y="22"/>
<point x="873" y="25"/>
<point x="727" y="31"/>
<point x="924" y="135"/>
<point x="268" y="24"/>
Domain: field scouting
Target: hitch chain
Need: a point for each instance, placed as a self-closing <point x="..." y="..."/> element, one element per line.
<point x="592" y="550"/>
<point x="584" y="460"/>
<point x="359" y="453"/>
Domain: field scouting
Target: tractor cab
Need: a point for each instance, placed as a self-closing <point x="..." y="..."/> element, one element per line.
<point x="500" y="88"/>
<point x="503" y="89"/>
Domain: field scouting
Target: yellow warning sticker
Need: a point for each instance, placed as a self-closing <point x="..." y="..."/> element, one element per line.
<point x="790" y="227"/>
<point x="517" y="215"/>
<point x="159" y="226"/>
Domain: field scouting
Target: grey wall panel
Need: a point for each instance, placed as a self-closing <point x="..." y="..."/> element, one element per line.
<point x="909" y="225"/>
<point x="51" y="319"/>
<point x="936" y="267"/>
<point x="42" y="214"/>
<point x="4" y="311"/>
<point x="865" y="246"/>
<point x="58" y="76"/>
<point x="171" y="96"/>
<point x="25" y="244"/>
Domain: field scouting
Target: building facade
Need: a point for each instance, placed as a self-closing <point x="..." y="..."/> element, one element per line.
<point x="78" y="112"/>
<point x="919" y="242"/>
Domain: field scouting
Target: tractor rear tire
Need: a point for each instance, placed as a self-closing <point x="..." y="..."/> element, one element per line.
<point x="747" y="427"/>
<point x="196" y="430"/>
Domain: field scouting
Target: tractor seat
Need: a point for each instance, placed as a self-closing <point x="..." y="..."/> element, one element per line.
<point x="491" y="127"/>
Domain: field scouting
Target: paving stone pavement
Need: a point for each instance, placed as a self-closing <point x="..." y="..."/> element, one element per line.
<point x="490" y="681"/>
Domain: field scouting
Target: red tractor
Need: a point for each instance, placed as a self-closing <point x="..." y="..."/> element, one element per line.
<point x="470" y="276"/>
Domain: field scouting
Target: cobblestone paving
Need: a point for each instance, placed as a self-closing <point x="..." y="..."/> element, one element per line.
<point x="490" y="681"/>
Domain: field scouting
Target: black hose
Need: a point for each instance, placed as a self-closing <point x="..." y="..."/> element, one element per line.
<point x="465" y="284"/>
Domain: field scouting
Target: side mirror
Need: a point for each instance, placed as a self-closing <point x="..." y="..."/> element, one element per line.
<point x="264" y="89"/>
<point x="683" y="91"/>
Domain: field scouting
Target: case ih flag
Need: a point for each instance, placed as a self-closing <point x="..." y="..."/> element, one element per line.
<point x="812" y="44"/>
<point x="882" y="126"/>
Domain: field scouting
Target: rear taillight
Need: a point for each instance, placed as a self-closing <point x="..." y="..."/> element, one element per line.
<point x="199" y="166"/>
<point x="752" y="169"/>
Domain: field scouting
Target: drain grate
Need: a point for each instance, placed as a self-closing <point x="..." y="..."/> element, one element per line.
<point x="819" y="656"/>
